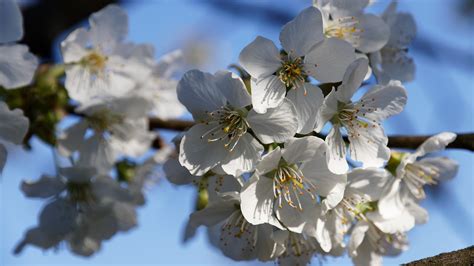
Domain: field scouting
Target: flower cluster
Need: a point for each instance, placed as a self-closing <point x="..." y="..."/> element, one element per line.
<point x="281" y="192"/>
<point x="290" y="159"/>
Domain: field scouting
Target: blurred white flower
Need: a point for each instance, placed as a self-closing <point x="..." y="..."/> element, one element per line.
<point x="17" y="64"/>
<point x="393" y="61"/>
<point x="84" y="209"/>
<point x="119" y="127"/>
<point x="13" y="128"/>
<point x="361" y="119"/>
<point x="346" y="20"/>
<point x="98" y="61"/>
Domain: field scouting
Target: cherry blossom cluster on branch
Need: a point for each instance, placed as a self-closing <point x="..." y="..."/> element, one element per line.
<point x="284" y="172"/>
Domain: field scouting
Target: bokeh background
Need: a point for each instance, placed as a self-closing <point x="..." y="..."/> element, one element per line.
<point x="212" y="33"/>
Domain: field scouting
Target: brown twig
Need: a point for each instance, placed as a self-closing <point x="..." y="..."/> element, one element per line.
<point x="463" y="140"/>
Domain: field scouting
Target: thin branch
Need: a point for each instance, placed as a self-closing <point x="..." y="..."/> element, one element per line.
<point x="463" y="140"/>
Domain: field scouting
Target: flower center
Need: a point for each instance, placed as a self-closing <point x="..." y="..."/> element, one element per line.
<point x="357" y="206"/>
<point x="103" y="119"/>
<point x="237" y="227"/>
<point x="346" y="28"/>
<point x="417" y="175"/>
<point x="80" y="192"/>
<point x="95" y="62"/>
<point x="289" y="184"/>
<point x="292" y="72"/>
<point x="353" y="116"/>
<point x="228" y="125"/>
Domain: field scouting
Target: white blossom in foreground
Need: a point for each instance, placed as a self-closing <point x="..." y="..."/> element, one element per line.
<point x="120" y="127"/>
<point x="306" y="53"/>
<point x="13" y="128"/>
<point x="237" y="238"/>
<point x="393" y="61"/>
<point x="219" y="104"/>
<point x="98" y="61"/>
<point x="160" y="87"/>
<point x="17" y="64"/>
<point x="286" y="187"/>
<point x="360" y="119"/>
<point x="347" y="21"/>
<point x="410" y="175"/>
<point x="84" y="209"/>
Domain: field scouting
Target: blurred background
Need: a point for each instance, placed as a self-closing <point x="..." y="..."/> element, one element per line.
<point x="212" y="33"/>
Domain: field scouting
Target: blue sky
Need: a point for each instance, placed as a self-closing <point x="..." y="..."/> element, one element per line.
<point x="440" y="99"/>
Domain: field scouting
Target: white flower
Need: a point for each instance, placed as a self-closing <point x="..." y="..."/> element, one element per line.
<point x="13" y="128"/>
<point x="287" y="183"/>
<point x="361" y="119"/>
<point x="221" y="139"/>
<point x="120" y="127"/>
<point x="99" y="63"/>
<point x="17" y="64"/>
<point x="160" y="87"/>
<point x="368" y="244"/>
<point x="345" y="20"/>
<point x="392" y="61"/>
<point x="410" y="176"/>
<point x="299" y="249"/>
<point x="238" y="239"/>
<point x="84" y="210"/>
<point x="306" y="53"/>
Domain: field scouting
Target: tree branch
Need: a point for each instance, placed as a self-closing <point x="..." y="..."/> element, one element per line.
<point x="463" y="140"/>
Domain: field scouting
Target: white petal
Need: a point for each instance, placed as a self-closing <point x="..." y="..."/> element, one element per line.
<point x="176" y="173"/>
<point x="419" y="213"/>
<point x="197" y="154"/>
<point x="403" y="30"/>
<point x="276" y="125"/>
<point x="328" y="60"/>
<point x="72" y="138"/>
<point x="323" y="235"/>
<point x="327" y="111"/>
<point x="168" y="64"/>
<point x="357" y="236"/>
<point x="369" y="145"/>
<point x="435" y="143"/>
<point x="307" y="100"/>
<point x="267" y="93"/>
<point x="17" y="66"/>
<point x="233" y="88"/>
<point x="403" y="222"/>
<point x="298" y="150"/>
<point x="375" y="35"/>
<point x="257" y="201"/>
<point x="295" y="219"/>
<point x="266" y="247"/>
<point x="109" y="25"/>
<point x="383" y="101"/>
<point x="329" y="185"/>
<point x="390" y="204"/>
<point x="214" y="213"/>
<point x="11" y="22"/>
<point x="269" y="161"/>
<point x="96" y="152"/>
<point x="198" y="92"/>
<point x="13" y="125"/>
<point x="303" y="32"/>
<point x="366" y="255"/>
<point x="78" y="174"/>
<point x="74" y="47"/>
<point x="126" y="215"/>
<point x="244" y="157"/>
<point x="369" y="181"/>
<point x="395" y="64"/>
<point x="352" y="80"/>
<point x="44" y="187"/>
<point x="260" y="58"/>
<point x="446" y="168"/>
<point x="348" y="7"/>
<point x="337" y="151"/>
